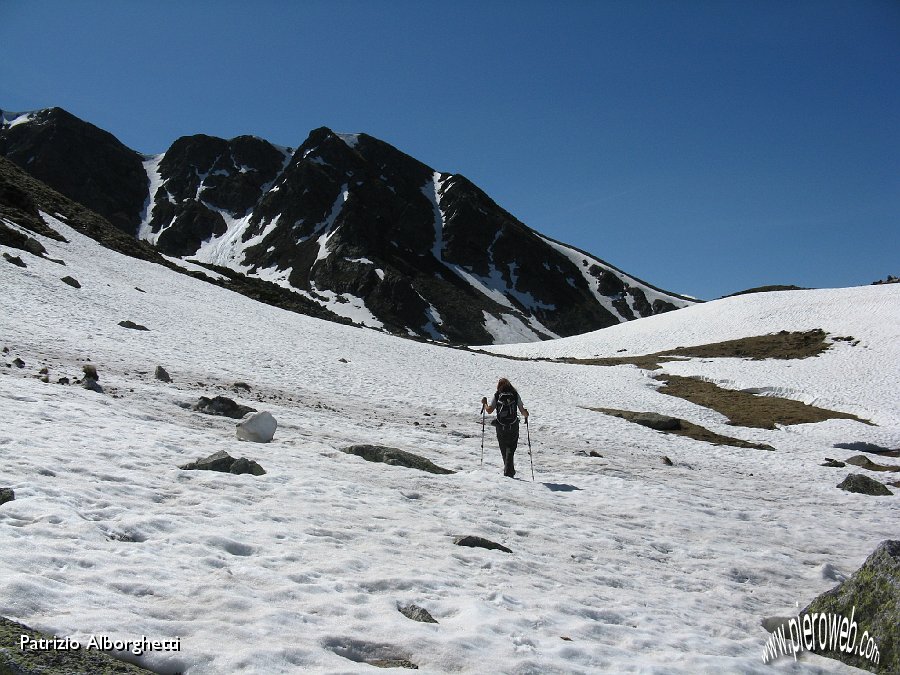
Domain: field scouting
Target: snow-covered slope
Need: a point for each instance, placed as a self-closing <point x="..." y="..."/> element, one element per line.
<point x="619" y="563"/>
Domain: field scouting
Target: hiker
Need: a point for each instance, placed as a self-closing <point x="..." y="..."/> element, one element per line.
<point x="506" y="402"/>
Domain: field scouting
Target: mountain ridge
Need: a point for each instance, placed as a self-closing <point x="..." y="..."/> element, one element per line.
<point x="346" y="221"/>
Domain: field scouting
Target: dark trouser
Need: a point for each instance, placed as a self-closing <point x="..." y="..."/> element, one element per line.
<point x="508" y="439"/>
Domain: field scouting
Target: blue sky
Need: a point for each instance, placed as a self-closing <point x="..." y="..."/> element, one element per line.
<point x="705" y="147"/>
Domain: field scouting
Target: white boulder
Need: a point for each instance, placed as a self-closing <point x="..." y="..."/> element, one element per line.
<point x="257" y="427"/>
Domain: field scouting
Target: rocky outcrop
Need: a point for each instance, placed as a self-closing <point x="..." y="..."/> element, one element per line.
<point x="857" y="482"/>
<point x="161" y="374"/>
<point x="417" y="613"/>
<point x="872" y="597"/>
<point x="395" y="457"/>
<point x="258" y="428"/>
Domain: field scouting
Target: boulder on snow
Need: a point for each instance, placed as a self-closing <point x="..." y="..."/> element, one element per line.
<point x="480" y="542"/>
<point x="395" y="457"/>
<point x="656" y="421"/>
<point x="132" y="325"/>
<point x="223" y="406"/>
<point x="15" y="260"/>
<point x="857" y="482"/>
<point x="161" y="374"/>
<point x="833" y="463"/>
<point x="225" y="463"/>
<point x="417" y="613"/>
<point x="258" y="427"/>
<point x="6" y="495"/>
<point x="71" y="281"/>
<point x="865" y="463"/>
<point x="872" y="596"/>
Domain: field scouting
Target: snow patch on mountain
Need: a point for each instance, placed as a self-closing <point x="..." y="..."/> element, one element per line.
<point x="154" y="183"/>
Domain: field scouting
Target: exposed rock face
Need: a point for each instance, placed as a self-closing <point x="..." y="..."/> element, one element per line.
<point x="222" y="405"/>
<point x="350" y="222"/>
<point x="259" y="428"/>
<point x="872" y="596"/>
<point x="857" y="482"/>
<point x="81" y="161"/>
<point x="395" y="457"/>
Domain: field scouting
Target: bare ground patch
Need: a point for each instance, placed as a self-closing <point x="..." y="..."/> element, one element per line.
<point x="689" y="429"/>
<point x="745" y="409"/>
<point x="781" y="345"/>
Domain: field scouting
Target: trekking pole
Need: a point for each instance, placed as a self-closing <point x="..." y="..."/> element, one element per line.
<point x="482" y="435"/>
<point x="528" y="431"/>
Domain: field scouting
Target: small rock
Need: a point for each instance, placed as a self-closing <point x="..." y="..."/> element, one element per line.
<point x="656" y="421"/>
<point x="241" y="385"/>
<point x="19" y="363"/>
<point x="667" y="461"/>
<point x="140" y="290"/>
<point x="6" y="350"/>
<point x="857" y="482"/>
<point x="480" y="542"/>
<point x="395" y="457"/>
<point x="161" y="374"/>
<point x="15" y="260"/>
<point x="833" y="463"/>
<point x="218" y="461"/>
<point x="63" y="380"/>
<point x="71" y="281"/>
<point x="258" y="428"/>
<point x="44" y="371"/>
<point x="132" y="325"/>
<point x="90" y="371"/>
<point x="342" y="360"/>
<point x="865" y="463"/>
<point x="594" y="453"/>
<point x="6" y="495"/>
<point x="417" y="613"/>
<point x="223" y="406"/>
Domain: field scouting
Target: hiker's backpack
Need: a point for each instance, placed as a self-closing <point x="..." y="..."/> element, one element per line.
<point x="507" y="401"/>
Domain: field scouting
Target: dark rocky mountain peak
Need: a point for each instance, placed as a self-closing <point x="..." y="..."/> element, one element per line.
<point x="346" y="221"/>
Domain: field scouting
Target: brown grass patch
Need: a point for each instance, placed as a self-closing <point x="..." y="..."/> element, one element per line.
<point x="745" y="409"/>
<point x="782" y="345"/>
<point x="689" y="429"/>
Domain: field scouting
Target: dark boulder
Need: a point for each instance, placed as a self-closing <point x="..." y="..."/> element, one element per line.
<point x="7" y="495"/>
<point x="132" y="325"/>
<point x="15" y="260"/>
<point x="222" y="406"/>
<point x="833" y="463"/>
<point x="161" y="374"/>
<point x="865" y="463"/>
<point x="857" y="482"/>
<point x="223" y="462"/>
<point x="656" y="421"/>
<point x="395" y="457"/>
<point x="480" y="542"/>
<point x="72" y="281"/>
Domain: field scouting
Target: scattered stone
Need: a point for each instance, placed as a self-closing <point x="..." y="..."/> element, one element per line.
<point x="71" y="281"/>
<point x="395" y="457"/>
<point x="132" y="325"/>
<point x="865" y="463"/>
<point x="7" y="495"/>
<point x="857" y="482"/>
<point x="566" y="637"/>
<point x="90" y="371"/>
<point x="417" y="613"/>
<point x="594" y="453"/>
<point x="656" y="421"/>
<point x="258" y="428"/>
<point x="667" y="461"/>
<point x="140" y="290"/>
<point x="63" y="380"/>
<point x="44" y="371"/>
<point x="872" y="596"/>
<point x="834" y="463"/>
<point x="222" y="406"/>
<point x="223" y="462"/>
<point x="15" y="260"/>
<point x="480" y="542"/>
<point x="241" y="385"/>
<point x="19" y="363"/>
<point x="6" y="350"/>
<point x="342" y="360"/>
<point x="161" y="374"/>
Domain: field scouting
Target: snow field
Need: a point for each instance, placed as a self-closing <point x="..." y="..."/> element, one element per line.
<point x="646" y="568"/>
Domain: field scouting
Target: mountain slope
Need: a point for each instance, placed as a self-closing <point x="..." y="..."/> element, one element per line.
<point x="345" y="221"/>
<point x="619" y="563"/>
